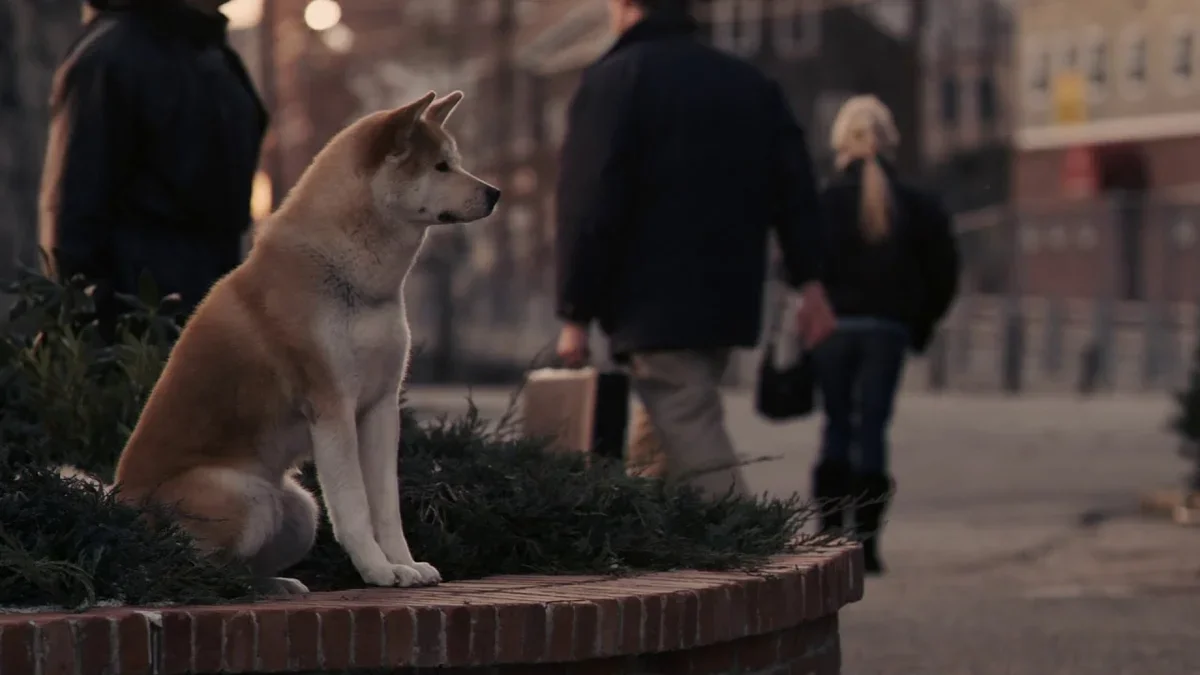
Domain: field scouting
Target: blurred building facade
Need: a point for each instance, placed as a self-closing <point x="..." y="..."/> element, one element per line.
<point x="1108" y="98"/>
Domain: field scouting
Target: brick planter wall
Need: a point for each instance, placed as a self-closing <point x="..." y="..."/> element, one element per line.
<point x="782" y="619"/>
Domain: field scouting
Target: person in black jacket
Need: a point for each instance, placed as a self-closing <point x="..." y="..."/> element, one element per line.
<point x="891" y="275"/>
<point x="154" y="141"/>
<point x="678" y="162"/>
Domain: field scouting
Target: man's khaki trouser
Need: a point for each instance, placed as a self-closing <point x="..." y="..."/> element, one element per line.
<point x="680" y="391"/>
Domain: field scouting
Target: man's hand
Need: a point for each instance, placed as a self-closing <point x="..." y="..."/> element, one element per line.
<point x="815" y="318"/>
<point x="573" y="345"/>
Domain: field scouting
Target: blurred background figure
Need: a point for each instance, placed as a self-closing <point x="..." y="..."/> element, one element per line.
<point x="891" y="274"/>
<point x="679" y="161"/>
<point x="154" y="141"/>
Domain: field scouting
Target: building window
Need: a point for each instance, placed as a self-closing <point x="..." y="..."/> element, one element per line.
<point x="987" y="98"/>
<point x="795" y="28"/>
<point x="949" y="100"/>
<point x="1098" y="56"/>
<point x="738" y="25"/>
<point x="1182" y="57"/>
<point x="1068" y="54"/>
<point x="1134" y="69"/>
<point x="1038" y="65"/>
<point x="1041" y="80"/>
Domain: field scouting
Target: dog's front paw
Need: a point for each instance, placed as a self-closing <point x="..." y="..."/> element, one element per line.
<point x="417" y="574"/>
<point x="429" y="574"/>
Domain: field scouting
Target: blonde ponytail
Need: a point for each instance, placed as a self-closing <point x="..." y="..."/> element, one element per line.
<point x="864" y="130"/>
<point x="875" y="212"/>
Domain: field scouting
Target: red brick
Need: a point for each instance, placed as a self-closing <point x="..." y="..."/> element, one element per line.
<point x="718" y="608"/>
<point x="609" y="626"/>
<point x="772" y="604"/>
<point x="17" y="643"/>
<point x="272" y="640"/>
<point x="400" y="634"/>
<point x="304" y="639"/>
<point x="690" y="623"/>
<point x="510" y="632"/>
<point x="838" y="580"/>
<point x="133" y="645"/>
<point x="739" y="612"/>
<point x="209" y="631"/>
<point x="337" y="639"/>
<point x="431" y="637"/>
<point x="631" y="626"/>
<point x="483" y="634"/>
<point x="587" y="631"/>
<point x="753" y="593"/>
<point x="714" y="659"/>
<point x="176" y="643"/>
<point x="534" y="628"/>
<point x="652" y="623"/>
<point x="57" y="648"/>
<point x="560" y="643"/>
<point x="814" y="603"/>
<point x="94" y="643"/>
<point x="458" y="636"/>
<point x="368" y="638"/>
<point x="240" y="642"/>
<point x="854" y="566"/>
<point x="672" y="612"/>
<point x="758" y="652"/>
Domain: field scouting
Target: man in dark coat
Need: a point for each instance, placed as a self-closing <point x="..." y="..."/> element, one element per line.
<point x="154" y="142"/>
<point x="678" y="162"/>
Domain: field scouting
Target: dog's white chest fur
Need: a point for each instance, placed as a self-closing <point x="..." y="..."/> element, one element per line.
<point x="369" y="351"/>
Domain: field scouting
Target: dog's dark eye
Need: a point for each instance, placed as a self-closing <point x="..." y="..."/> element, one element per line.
<point x="444" y="167"/>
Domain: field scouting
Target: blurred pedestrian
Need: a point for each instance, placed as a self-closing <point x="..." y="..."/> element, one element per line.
<point x="154" y="141"/>
<point x="891" y="274"/>
<point x="678" y="161"/>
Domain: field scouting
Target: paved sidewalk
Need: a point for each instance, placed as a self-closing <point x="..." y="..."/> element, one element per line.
<point x="1015" y="544"/>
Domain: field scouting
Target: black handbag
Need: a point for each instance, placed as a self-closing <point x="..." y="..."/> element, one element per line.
<point x="788" y="393"/>
<point x="612" y="414"/>
<point x="785" y="393"/>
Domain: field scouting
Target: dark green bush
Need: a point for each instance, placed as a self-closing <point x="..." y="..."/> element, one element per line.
<point x="1186" y="421"/>
<point x="1187" y="417"/>
<point x="477" y="500"/>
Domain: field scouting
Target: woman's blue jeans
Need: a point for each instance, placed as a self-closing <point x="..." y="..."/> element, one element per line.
<point x="858" y="372"/>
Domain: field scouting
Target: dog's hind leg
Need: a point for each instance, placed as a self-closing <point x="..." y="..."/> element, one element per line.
<point x="270" y="526"/>
<point x="294" y="516"/>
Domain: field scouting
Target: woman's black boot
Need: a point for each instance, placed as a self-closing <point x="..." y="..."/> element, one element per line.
<point x="873" y="494"/>
<point x="832" y="486"/>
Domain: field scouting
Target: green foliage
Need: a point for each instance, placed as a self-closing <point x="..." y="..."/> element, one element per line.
<point x="68" y="395"/>
<point x="69" y="543"/>
<point x="477" y="499"/>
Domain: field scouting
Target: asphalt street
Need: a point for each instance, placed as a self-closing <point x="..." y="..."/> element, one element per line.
<point x="1015" y="545"/>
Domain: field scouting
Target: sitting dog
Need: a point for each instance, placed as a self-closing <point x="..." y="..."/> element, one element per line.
<point x="299" y="354"/>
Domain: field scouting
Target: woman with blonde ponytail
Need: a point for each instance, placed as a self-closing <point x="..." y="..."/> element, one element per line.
<point x="890" y="273"/>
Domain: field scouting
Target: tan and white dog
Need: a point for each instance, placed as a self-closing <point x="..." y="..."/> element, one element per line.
<point x="300" y="354"/>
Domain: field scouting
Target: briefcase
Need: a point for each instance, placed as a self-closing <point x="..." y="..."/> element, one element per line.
<point x="581" y="410"/>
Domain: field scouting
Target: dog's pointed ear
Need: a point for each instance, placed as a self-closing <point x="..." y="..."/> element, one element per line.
<point x="440" y="110"/>
<point x="402" y="120"/>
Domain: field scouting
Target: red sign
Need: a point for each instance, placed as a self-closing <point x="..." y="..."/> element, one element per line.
<point x="1079" y="174"/>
